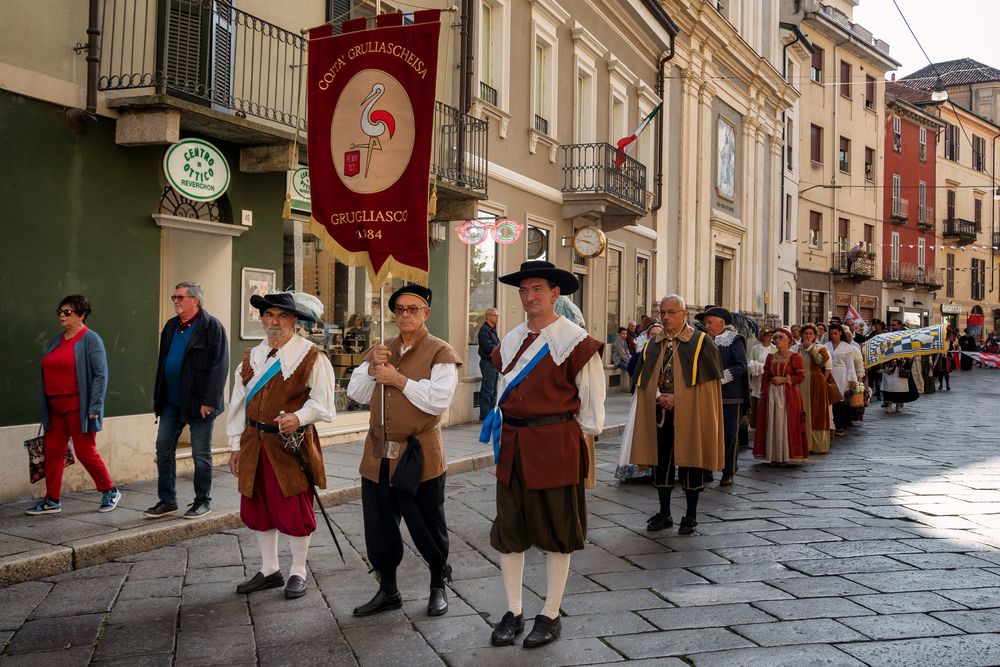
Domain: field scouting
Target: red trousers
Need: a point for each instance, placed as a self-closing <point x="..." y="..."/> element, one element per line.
<point x="269" y="509"/>
<point x="64" y="423"/>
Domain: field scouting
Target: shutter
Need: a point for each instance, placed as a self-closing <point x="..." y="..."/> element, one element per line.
<point x="340" y="10"/>
<point x="223" y="24"/>
<point x="815" y="148"/>
<point x="183" y="62"/>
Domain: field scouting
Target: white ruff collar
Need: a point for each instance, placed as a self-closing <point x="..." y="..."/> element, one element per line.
<point x="726" y="338"/>
<point x="562" y="336"/>
<point x="290" y="354"/>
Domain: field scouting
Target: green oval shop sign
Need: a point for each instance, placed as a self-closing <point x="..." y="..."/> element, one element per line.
<point x="196" y="169"/>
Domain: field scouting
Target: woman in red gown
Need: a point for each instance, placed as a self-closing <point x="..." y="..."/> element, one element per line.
<point x="781" y="429"/>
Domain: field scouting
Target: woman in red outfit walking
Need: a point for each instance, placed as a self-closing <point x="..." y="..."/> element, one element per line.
<point x="74" y="383"/>
<point x="781" y="431"/>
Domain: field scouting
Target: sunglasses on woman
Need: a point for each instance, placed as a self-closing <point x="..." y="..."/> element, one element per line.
<point x="65" y="312"/>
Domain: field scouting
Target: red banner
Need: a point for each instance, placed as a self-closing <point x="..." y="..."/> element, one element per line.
<point x="371" y="116"/>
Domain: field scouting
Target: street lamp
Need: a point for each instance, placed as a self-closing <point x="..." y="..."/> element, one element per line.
<point x="939" y="94"/>
<point x="821" y="185"/>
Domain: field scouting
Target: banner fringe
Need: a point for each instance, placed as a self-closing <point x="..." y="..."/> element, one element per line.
<point x="391" y="266"/>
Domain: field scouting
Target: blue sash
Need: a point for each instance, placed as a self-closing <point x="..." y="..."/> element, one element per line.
<point x="271" y="371"/>
<point x="493" y="423"/>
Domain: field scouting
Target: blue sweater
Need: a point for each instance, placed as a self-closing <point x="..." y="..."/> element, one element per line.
<point x="91" y="380"/>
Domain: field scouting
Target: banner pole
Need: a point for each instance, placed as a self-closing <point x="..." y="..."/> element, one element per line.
<point x="381" y="340"/>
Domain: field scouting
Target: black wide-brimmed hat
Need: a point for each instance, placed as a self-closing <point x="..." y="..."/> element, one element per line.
<point x="285" y="301"/>
<point x="537" y="268"/>
<point x="416" y="290"/>
<point x="716" y="311"/>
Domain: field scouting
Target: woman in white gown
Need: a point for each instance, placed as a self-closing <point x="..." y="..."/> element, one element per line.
<point x="842" y="357"/>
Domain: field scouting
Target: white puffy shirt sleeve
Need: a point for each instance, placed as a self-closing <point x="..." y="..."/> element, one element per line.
<point x="361" y="385"/>
<point x="320" y="406"/>
<point x="433" y="395"/>
<point x="236" y="415"/>
<point x="590" y="384"/>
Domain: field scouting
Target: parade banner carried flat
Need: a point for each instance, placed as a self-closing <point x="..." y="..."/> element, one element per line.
<point x="902" y="344"/>
<point x="985" y="358"/>
<point x="371" y="115"/>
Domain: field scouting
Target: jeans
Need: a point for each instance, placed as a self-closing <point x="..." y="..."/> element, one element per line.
<point x="166" y="455"/>
<point x="488" y="388"/>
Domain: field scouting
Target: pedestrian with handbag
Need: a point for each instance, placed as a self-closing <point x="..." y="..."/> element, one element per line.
<point x="74" y="383"/>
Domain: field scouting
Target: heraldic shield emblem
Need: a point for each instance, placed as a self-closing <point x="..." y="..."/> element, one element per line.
<point x="373" y="129"/>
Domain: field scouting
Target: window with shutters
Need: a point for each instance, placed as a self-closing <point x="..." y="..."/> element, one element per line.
<point x="869" y="235"/>
<point x="815" y="228"/>
<point x="923" y="144"/>
<point x="845" y="155"/>
<point x="816" y="143"/>
<point x="952" y="197"/>
<point x="949" y="282"/>
<point x="978" y="153"/>
<point x="922" y="216"/>
<point x="870" y="92"/>
<point x="977" y="213"/>
<point x="952" y="142"/>
<point x="978" y="287"/>
<point x="812" y="306"/>
<point x="816" y="71"/>
<point x="897" y="134"/>
<point x="494" y="46"/>
<point x="198" y="52"/>
<point x="869" y="164"/>
<point x="845" y="79"/>
<point x="789" y="141"/>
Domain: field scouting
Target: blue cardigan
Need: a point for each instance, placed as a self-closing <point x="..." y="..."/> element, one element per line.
<point x="91" y="379"/>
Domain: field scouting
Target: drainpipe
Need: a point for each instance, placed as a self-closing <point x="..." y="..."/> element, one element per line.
<point x="79" y="120"/>
<point x="658" y="196"/>
<point x="993" y="216"/>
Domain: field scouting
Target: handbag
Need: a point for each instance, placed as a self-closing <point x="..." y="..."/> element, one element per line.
<point x="833" y="391"/>
<point x="36" y="456"/>
<point x="856" y="399"/>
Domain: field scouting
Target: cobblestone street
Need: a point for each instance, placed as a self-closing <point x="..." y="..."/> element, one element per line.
<point x="886" y="551"/>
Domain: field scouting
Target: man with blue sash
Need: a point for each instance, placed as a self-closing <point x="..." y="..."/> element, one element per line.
<point x="552" y="390"/>
<point x="284" y="385"/>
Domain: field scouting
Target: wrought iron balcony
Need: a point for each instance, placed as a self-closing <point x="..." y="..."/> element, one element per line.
<point x="925" y="218"/>
<point x="459" y="163"/>
<point x="962" y="231"/>
<point x="488" y="93"/>
<point x="600" y="174"/>
<point x="900" y="210"/>
<point x="853" y="265"/>
<point x="204" y="52"/>
<point x="932" y="278"/>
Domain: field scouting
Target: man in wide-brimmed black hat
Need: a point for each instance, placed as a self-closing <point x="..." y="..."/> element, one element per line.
<point x="551" y="393"/>
<point x="735" y="381"/>
<point x="403" y="463"/>
<point x="284" y="385"/>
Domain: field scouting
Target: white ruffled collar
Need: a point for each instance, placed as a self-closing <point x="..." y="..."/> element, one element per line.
<point x="726" y="338"/>
<point x="290" y="354"/>
<point x="562" y="336"/>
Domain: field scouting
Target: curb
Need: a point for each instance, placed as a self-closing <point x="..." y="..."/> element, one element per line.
<point x="101" y="549"/>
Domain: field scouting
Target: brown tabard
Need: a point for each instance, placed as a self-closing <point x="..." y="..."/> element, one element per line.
<point x="279" y="395"/>
<point x="402" y="418"/>
<point x="552" y="455"/>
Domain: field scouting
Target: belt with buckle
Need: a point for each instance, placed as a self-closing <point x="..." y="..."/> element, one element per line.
<point x="538" y="421"/>
<point x="267" y="428"/>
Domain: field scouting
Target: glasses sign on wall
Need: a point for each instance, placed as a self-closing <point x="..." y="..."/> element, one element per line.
<point x="504" y="230"/>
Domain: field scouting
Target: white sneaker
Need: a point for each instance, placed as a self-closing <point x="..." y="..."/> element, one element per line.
<point x="899" y="408"/>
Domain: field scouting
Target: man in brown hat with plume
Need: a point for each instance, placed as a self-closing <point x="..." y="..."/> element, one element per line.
<point x="403" y="464"/>
<point x="284" y="385"/>
<point x="551" y="394"/>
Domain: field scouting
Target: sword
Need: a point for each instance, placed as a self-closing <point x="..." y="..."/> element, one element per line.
<point x="293" y="443"/>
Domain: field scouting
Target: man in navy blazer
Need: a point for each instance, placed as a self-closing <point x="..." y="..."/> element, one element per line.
<point x="189" y="390"/>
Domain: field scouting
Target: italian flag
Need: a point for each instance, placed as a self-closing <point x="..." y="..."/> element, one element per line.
<point x="625" y="142"/>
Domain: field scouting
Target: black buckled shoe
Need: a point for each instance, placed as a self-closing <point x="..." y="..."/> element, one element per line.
<point x="659" y="522"/>
<point x="544" y="631"/>
<point x="687" y="525"/>
<point x="259" y="582"/>
<point x="510" y="626"/>
<point x="295" y="588"/>
<point x="437" y="604"/>
<point x="382" y="601"/>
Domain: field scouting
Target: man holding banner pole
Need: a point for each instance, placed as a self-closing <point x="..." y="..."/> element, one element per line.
<point x="403" y="464"/>
<point x="551" y="394"/>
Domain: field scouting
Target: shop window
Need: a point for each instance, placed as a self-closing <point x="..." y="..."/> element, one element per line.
<point x="482" y="288"/>
<point x="614" y="293"/>
<point x="641" y="287"/>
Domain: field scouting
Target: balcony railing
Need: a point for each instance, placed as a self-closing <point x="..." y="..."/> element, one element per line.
<point x="204" y="51"/>
<point x="925" y="217"/>
<point x="933" y="278"/>
<point x="603" y="169"/>
<point x="856" y="265"/>
<point x="963" y="231"/>
<point x="541" y="124"/>
<point x="900" y="209"/>
<point x="462" y="148"/>
<point x="488" y="93"/>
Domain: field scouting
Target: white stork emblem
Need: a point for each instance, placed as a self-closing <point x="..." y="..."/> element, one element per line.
<point x="374" y="123"/>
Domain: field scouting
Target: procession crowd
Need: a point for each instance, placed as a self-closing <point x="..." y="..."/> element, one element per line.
<point x="697" y="391"/>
